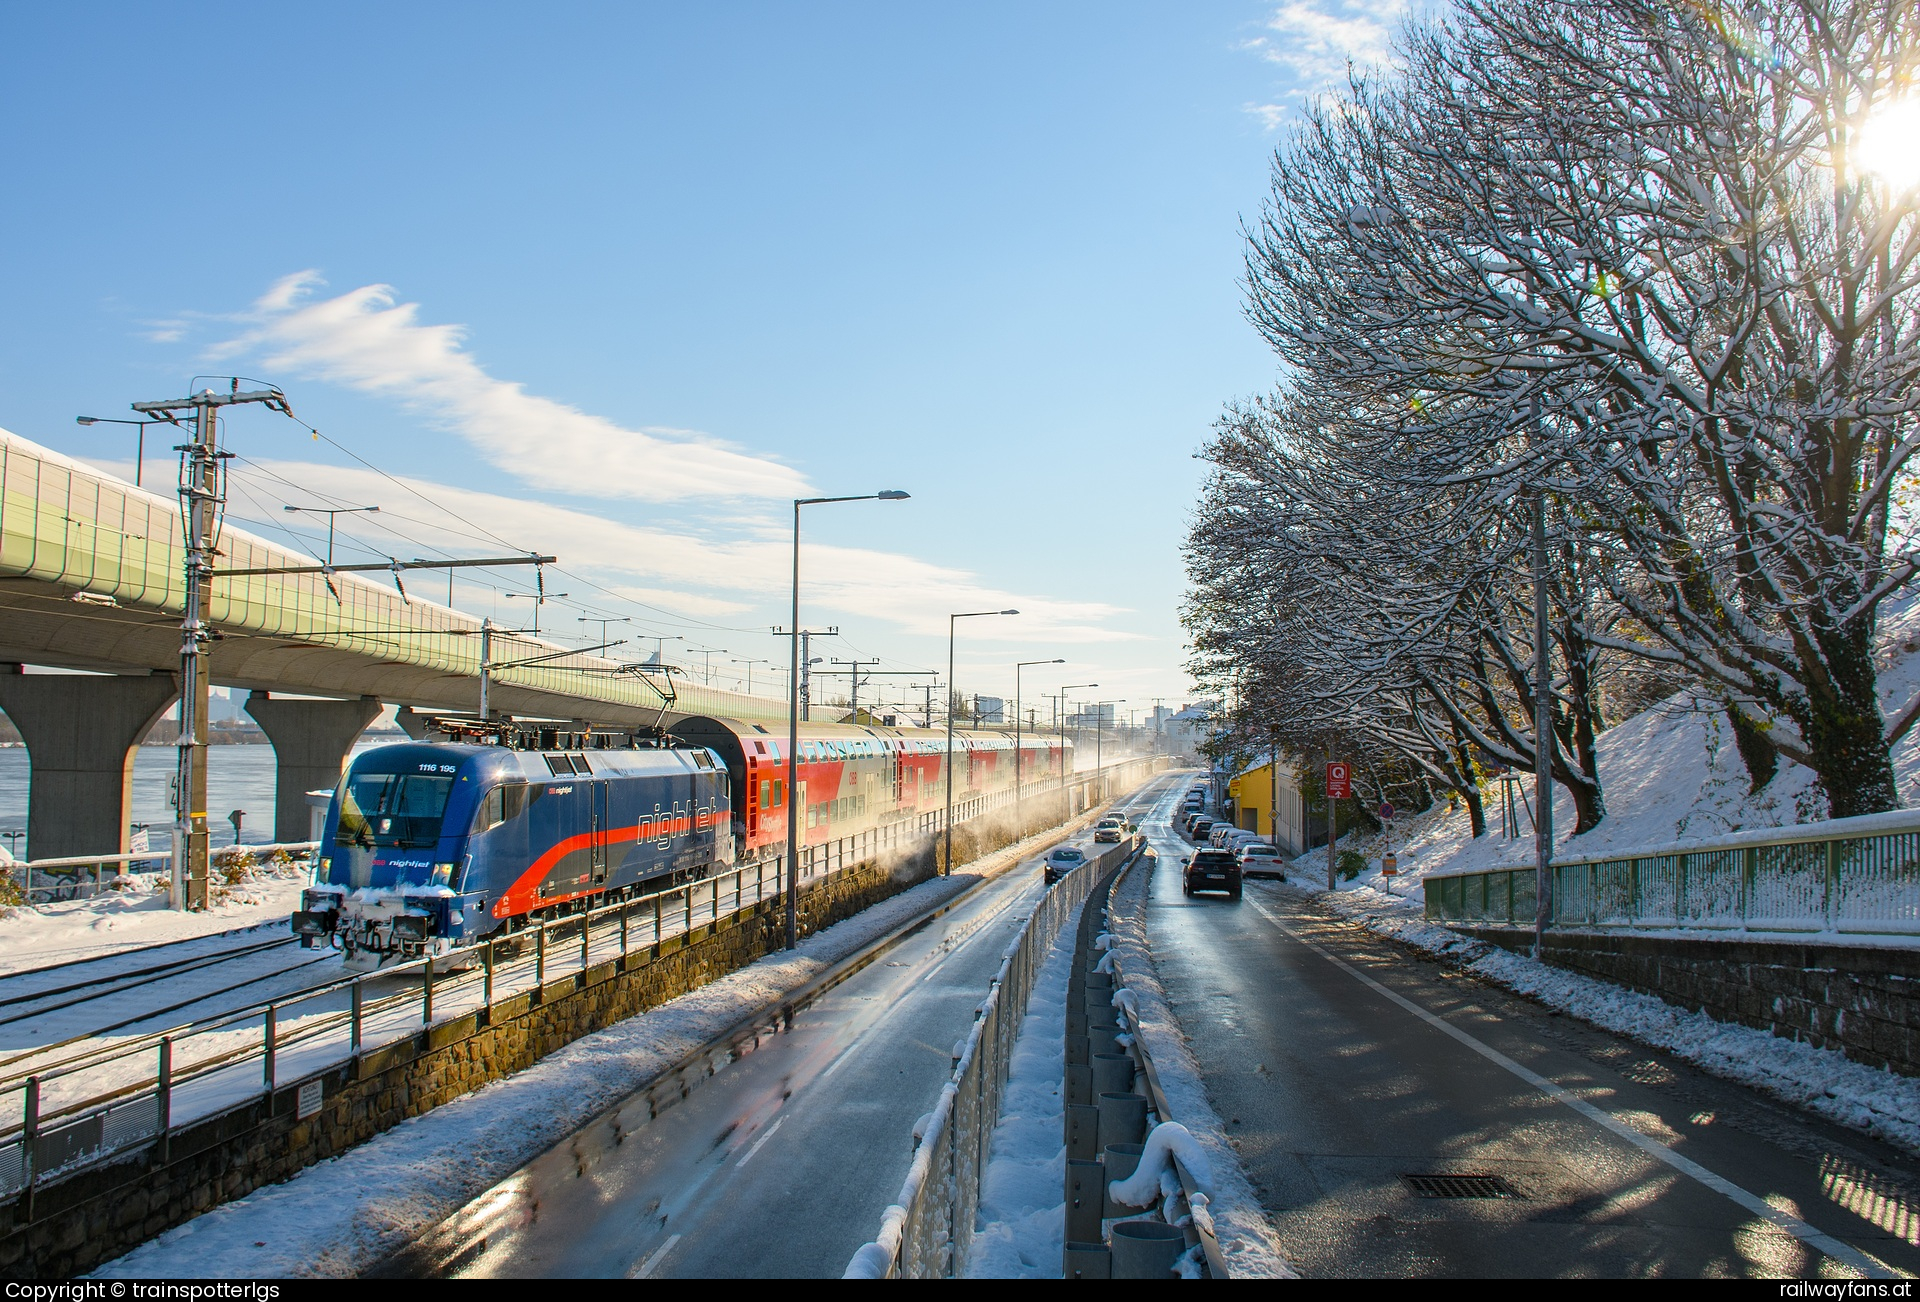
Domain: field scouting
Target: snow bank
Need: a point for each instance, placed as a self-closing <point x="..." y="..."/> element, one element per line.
<point x="118" y="920"/>
<point x="1155" y="1177"/>
<point x="1247" y="1240"/>
<point x="1880" y="1102"/>
<point x="1022" y="1193"/>
<point x="339" y="1217"/>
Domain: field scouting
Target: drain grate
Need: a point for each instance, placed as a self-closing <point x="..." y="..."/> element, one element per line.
<point x="1456" y="1185"/>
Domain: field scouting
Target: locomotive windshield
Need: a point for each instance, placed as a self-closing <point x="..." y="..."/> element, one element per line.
<point x="392" y="810"/>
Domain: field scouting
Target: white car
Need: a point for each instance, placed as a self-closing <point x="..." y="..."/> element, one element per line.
<point x="1262" y="860"/>
<point x="1060" y="861"/>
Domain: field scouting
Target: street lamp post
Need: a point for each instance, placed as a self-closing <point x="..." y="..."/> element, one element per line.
<point x="1060" y="726"/>
<point x="793" y="710"/>
<point x="1100" y="732"/>
<point x="1018" y="801"/>
<point x="605" y="623"/>
<point x="660" y="641"/>
<point x="946" y="867"/>
<point x="333" y="513"/>
<point x="749" y="664"/>
<point x="140" y="440"/>
<point x="706" y="674"/>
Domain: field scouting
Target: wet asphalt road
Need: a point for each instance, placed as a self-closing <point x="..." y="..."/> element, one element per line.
<point x="1335" y="1091"/>
<point x="778" y="1166"/>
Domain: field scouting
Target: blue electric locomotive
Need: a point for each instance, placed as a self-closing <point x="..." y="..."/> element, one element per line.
<point x="427" y="848"/>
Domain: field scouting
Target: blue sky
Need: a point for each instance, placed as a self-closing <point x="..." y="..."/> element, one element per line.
<point x="618" y="281"/>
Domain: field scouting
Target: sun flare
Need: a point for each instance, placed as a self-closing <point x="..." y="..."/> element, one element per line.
<point x="1888" y="144"/>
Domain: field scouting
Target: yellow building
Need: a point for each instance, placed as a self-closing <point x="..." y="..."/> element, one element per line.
<point x="1257" y="792"/>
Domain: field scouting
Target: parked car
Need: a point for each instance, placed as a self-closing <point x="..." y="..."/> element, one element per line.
<point x="1199" y="828"/>
<point x="1239" y="839"/>
<point x="1212" y="870"/>
<point x="1259" y="859"/>
<point x="1217" y="835"/>
<point x="1060" y="861"/>
<point x="1109" y="829"/>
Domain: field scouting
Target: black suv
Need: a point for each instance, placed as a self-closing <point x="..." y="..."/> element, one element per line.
<point x="1212" y="870"/>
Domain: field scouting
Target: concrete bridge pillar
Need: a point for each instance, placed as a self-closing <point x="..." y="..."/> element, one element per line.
<point x="311" y="740"/>
<point x="81" y="731"/>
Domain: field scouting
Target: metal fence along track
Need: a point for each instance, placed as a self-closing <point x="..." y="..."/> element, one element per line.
<point x="100" y="1098"/>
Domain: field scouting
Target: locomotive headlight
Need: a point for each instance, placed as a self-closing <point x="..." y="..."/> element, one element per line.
<point x="326" y="863"/>
<point x="442" y="874"/>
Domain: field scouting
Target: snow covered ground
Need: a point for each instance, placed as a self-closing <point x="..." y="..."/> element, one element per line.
<point x="1668" y="773"/>
<point x="339" y="1217"/>
<point x="59" y="932"/>
<point x="1022" y="1195"/>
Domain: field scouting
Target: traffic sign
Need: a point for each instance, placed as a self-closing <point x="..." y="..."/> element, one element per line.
<point x="1386" y="811"/>
<point x="1339" y="780"/>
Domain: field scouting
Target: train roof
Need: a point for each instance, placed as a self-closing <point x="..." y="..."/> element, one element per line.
<point x="499" y="763"/>
<point x="853" y="738"/>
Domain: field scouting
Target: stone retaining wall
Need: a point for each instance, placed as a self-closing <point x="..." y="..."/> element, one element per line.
<point x="1862" y="1001"/>
<point x="73" y="1224"/>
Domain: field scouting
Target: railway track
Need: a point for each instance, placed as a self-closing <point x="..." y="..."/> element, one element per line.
<point x="91" y="1027"/>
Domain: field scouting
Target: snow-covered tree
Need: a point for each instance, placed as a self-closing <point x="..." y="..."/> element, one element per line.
<point x="1621" y="255"/>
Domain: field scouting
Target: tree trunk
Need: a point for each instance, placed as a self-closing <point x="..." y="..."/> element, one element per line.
<point x="1845" y="732"/>
<point x="1468" y="788"/>
<point x="1756" y="751"/>
<point x="1476" y="811"/>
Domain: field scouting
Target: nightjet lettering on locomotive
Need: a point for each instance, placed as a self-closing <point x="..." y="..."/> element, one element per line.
<point x="497" y="845"/>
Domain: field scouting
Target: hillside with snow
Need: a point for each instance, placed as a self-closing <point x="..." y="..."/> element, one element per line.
<point x="1668" y="773"/>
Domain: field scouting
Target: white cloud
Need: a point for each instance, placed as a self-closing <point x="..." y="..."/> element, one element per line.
<point x="911" y="595"/>
<point x="1315" y="40"/>
<point x="367" y="340"/>
<point x="1270" y="115"/>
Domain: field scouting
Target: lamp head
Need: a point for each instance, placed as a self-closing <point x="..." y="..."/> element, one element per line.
<point x="85" y="420"/>
<point x="1009" y="612"/>
<point x="894" y="495"/>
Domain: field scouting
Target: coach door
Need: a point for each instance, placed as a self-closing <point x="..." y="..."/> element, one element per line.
<point x="598" y="815"/>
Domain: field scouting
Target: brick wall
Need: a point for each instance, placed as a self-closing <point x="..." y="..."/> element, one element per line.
<point x="1862" y="1001"/>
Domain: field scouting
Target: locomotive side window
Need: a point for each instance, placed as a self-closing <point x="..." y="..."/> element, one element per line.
<point x="500" y="805"/>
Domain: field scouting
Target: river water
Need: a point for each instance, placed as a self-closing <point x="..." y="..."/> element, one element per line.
<point x="238" y="777"/>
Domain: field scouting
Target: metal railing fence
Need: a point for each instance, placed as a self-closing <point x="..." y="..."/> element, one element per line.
<point x="926" y="1232"/>
<point x="76" y="1103"/>
<point x="1850" y="876"/>
<point x="70" y="875"/>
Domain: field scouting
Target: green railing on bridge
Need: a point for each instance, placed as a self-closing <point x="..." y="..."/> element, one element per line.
<point x="80" y="530"/>
<point x="1849" y="876"/>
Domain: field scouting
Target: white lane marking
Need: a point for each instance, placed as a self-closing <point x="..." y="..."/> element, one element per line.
<point x="759" y="1143"/>
<point x="653" y="1259"/>
<point x="1793" y="1225"/>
